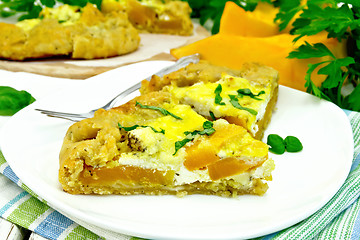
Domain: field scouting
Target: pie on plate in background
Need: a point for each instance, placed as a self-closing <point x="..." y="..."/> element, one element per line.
<point x="89" y="33"/>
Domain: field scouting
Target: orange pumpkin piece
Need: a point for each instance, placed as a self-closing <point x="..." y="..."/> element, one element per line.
<point x="233" y="51"/>
<point x="259" y="23"/>
<point x="199" y="157"/>
<point x="229" y="167"/>
<point x="226" y="133"/>
<point x="203" y="152"/>
<point x="129" y="174"/>
<point x="254" y="37"/>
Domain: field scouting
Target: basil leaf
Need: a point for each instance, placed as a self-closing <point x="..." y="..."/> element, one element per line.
<point x="162" y="110"/>
<point x="180" y="144"/>
<point x="276" y="144"/>
<point x="12" y="100"/>
<point x="218" y="98"/>
<point x="279" y="145"/>
<point x="235" y="102"/>
<point x="136" y="126"/>
<point x="247" y="92"/>
<point x="292" y="144"/>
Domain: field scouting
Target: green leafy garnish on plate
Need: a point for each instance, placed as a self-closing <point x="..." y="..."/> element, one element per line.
<point x="292" y="144"/>
<point x="12" y="100"/>
<point x="278" y="145"/>
<point x="162" y="110"/>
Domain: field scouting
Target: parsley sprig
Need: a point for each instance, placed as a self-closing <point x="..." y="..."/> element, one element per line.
<point x="336" y="71"/>
<point x="341" y="21"/>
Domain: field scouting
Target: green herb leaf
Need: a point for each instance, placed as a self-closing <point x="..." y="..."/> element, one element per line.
<point x="287" y="11"/>
<point x="128" y="128"/>
<point x="32" y="13"/>
<point x="137" y="126"/>
<point x="208" y="125"/>
<point x="48" y="3"/>
<point x="180" y="144"/>
<point x="247" y="92"/>
<point x="292" y="144"/>
<point x="276" y="144"/>
<point x="162" y="110"/>
<point x="208" y="130"/>
<point x="335" y="72"/>
<point x="12" y="100"/>
<point x="218" y="98"/>
<point x="235" y="102"/>
<point x="316" y="18"/>
<point x="334" y="69"/>
<point x="311" y="51"/>
<point x="212" y="115"/>
<point x="309" y="84"/>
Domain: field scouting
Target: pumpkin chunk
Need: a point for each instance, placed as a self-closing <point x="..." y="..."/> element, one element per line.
<point x="271" y="51"/>
<point x="259" y="23"/>
<point x="229" y="167"/>
<point x="199" y="157"/>
<point x="128" y="174"/>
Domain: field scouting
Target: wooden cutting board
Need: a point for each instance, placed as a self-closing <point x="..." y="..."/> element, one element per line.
<point x="152" y="47"/>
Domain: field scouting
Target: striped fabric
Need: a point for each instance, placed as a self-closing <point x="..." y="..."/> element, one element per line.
<point x="338" y="219"/>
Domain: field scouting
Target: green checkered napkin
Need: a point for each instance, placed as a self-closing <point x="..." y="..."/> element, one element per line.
<point x="338" y="219"/>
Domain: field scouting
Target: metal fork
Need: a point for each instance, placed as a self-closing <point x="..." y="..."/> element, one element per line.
<point x="182" y="62"/>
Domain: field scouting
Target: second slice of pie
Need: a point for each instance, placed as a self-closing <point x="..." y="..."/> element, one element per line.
<point x="245" y="97"/>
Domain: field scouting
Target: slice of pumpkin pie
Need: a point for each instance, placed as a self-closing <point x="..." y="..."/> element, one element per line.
<point x="153" y="145"/>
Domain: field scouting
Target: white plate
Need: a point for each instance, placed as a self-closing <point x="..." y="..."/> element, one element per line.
<point x="302" y="182"/>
